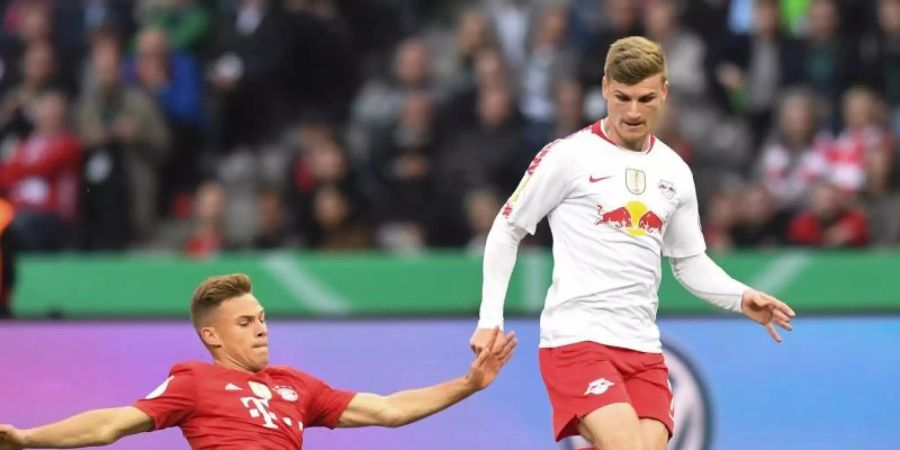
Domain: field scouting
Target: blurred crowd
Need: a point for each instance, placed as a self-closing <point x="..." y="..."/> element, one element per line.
<point x="400" y="125"/>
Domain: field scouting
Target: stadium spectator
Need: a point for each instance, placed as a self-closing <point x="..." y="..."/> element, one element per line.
<point x="273" y="230"/>
<point x="474" y="34"/>
<point x="249" y="73"/>
<point x="321" y="163"/>
<point x="568" y="103"/>
<point x="881" y="57"/>
<point x="512" y="20"/>
<point x="26" y="24"/>
<point x="327" y="88"/>
<point x="380" y="101"/>
<point x="208" y="236"/>
<point x="337" y="222"/>
<point x="719" y="220"/>
<point x="828" y="221"/>
<point x="17" y="113"/>
<point x="749" y="69"/>
<point x="490" y="71"/>
<point x="187" y="23"/>
<point x="832" y="56"/>
<point x="881" y="195"/>
<point x="622" y="20"/>
<point x="490" y="154"/>
<point x="791" y="160"/>
<point x="77" y="23"/>
<point x="760" y="221"/>
<point x="402" y="163"/>
<point x="481" y="208"/>
<point x="549" y="61"/>
<point x="172" y="77"/>
<point x="41" y="178"/>
<point x="126" y="139"/>
<point x="845" y="160"/>
<point x="685" y="51"/>
<point x="670" y="129"/>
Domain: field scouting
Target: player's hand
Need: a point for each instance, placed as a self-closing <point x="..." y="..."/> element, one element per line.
<point x="488" y="361"/>
<point x="481" y="338"/>
<point x="768" y="311"/>
<point x="11" y="438"/>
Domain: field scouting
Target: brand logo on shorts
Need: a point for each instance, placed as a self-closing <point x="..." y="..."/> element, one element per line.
<point x="598" y="386"/>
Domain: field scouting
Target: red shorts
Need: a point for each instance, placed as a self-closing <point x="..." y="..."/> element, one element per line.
<point x="586" y="376"/>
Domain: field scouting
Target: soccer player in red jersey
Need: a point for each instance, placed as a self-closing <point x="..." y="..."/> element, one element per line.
<point x="239" y="401"/>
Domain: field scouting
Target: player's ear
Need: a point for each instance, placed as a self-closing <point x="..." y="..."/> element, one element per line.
<point x="209" y="337"/>
<point x="665" y="90"/>
<point x="604" y="88"/>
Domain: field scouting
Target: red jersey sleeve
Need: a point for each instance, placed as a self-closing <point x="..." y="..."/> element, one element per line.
<point x="173" y="400"/>
<point x="325" y="403"/>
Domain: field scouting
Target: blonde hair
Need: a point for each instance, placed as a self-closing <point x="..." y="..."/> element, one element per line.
<point x="215" y="290"/>
<point x="632" y="59"/>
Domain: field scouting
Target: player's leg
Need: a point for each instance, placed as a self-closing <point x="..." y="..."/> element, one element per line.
<point x="613" y="427"/>
<point x="651" y="396"/>
<point x="586" y="391"/>
<point x="654" y="434"/>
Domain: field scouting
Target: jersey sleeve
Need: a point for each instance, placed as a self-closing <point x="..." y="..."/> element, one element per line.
<point x="326" y="404"/>
<point x="544" y="186"/>
<point x="172" y="401"/>
<point x="684" y="236"/>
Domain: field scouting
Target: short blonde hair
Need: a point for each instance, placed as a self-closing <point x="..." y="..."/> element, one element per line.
<point x="215" y="290"/>
<point x="632" y="59"/>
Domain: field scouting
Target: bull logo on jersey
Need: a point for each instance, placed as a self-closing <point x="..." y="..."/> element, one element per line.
<point x="635" y="218"/>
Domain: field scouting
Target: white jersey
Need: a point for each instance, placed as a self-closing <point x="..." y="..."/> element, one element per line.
<point x="613" y="213"/>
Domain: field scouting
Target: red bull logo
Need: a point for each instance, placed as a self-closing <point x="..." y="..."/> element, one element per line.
<point x="634" y="218"/>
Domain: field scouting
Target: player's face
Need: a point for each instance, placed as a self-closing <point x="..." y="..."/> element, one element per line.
<point x="633" y="109"/>
<point x="243" y="337"/>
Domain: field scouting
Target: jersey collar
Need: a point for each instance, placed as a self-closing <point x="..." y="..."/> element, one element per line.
<point x="597" y="128"/>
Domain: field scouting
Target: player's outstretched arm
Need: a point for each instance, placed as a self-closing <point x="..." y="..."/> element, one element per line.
<point x="405" y="407"/>
<point x="88" y="429"/>
<point x="705" y="279"/>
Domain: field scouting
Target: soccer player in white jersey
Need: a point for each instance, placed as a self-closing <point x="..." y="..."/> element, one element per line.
<point x="618" y="200"/>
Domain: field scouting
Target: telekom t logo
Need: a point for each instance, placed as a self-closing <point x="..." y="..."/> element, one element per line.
<point x="259" y="407"/>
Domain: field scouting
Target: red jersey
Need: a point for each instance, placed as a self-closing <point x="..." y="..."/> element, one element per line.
<point x="42" y="175"/>
<point x="221" y="408"/>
